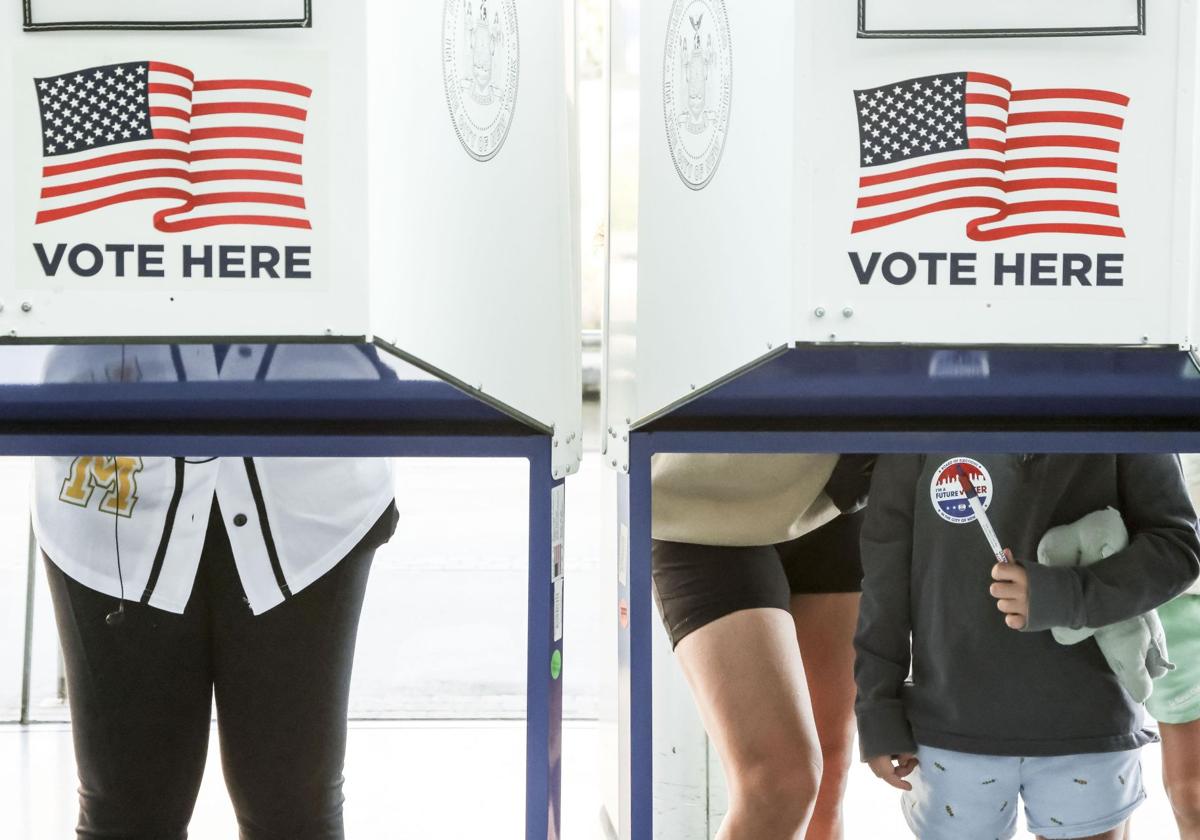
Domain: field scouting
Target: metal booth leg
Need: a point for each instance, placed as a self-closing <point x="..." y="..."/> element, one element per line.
<point x="634" y="657"/>
<point x="543" y="744"/>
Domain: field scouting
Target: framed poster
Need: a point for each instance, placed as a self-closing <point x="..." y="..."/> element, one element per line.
<point x="1012" y="19"/>
<point x="52" y="15"/>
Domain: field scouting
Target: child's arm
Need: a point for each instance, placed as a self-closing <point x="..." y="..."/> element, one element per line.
<point x="882" y="642"/>
<point x="1160" y="562"/>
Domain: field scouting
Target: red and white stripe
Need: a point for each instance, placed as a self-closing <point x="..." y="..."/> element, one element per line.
<point x="1038" y="161"/>
<point x="224" y="152"/>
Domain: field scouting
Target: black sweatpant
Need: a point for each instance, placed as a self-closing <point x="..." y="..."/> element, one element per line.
<point x="141" y="699"/>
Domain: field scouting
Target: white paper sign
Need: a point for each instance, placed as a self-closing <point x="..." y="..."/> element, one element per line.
<point x="137" y="174"/>
<point x="1082" y="17"/>
<point x="184" y="183"/>
<point x="83" y="14"/>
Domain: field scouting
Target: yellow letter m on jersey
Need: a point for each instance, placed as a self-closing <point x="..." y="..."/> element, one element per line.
<point x="116" y="476"/>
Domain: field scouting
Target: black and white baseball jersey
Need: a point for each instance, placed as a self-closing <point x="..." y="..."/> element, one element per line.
<point x="290" y="520"/>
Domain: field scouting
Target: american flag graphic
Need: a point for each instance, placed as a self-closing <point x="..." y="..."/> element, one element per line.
<point x="216" y="152"/>
<point x="1038" y="160"/>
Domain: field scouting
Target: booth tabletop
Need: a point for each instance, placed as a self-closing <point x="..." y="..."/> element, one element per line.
<point x="403" y="401"/>
<point x="885" y="387"/>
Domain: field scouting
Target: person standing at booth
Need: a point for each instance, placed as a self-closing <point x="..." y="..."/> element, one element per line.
<point x="756" y="575"/>
<point x="174" y="579"/>
<point x="1175" y="703"/>
<point x="965" y="702"/>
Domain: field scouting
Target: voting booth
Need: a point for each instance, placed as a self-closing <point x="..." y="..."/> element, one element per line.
<point x="882" y="226"/>
<point x="279" y="173"/>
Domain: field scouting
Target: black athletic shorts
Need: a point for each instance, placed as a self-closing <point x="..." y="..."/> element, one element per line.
<point x="694" y="585"/>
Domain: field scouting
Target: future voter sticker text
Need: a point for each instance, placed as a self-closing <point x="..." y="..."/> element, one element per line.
<point x="946" y="492"/>
<point x="481" y="66"/>
<point x="697" y="88"/>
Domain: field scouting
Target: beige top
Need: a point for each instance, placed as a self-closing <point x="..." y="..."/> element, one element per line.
<point x="740" y="500"/>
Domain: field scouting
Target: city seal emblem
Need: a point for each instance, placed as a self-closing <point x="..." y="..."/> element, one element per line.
<point x="697" y="88"/>
<point x="481" y="65"/>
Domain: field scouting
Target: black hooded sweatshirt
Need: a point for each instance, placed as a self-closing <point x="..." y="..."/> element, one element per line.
<point x="976" y="685"/>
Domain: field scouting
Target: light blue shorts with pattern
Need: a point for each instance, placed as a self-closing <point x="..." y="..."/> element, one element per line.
<point x="960" y="796"/>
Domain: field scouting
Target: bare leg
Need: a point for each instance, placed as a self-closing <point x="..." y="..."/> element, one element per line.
<point x="825" y="629"/>
<point x="1181" y="775"/>
<point x="748" y="681"/>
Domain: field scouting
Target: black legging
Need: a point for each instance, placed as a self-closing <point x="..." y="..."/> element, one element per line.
<point x="141" y="700"/>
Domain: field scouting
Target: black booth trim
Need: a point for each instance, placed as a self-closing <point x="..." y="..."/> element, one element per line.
<point x="1032" y="32"/>
<point x="304" y="22"/>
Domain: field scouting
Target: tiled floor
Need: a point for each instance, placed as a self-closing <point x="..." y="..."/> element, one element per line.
<point x="425" y="781"/>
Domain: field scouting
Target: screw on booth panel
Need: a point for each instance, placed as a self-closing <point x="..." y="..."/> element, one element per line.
<point x="848" y="312"/>
<point x="26" y="307"/>
<point x="819" y="311"/>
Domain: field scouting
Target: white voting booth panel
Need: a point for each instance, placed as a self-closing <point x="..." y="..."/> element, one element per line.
<point x="183" y="183"/>
<point x="473" y="202"/>
<point x="1065" y="215"/>
<point x="702" y="221"/>
<point x="926" y="172"/>
<point x="283" y="168"/>
<point x="747" y="216"/>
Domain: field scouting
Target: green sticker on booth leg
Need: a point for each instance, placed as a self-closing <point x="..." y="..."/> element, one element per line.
<point x="556" y="664"/>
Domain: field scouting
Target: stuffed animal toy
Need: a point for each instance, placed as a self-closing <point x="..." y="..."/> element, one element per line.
<point x="1135" y="649"/>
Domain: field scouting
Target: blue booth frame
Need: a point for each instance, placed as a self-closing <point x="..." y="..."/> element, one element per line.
<point x="851" y="399"/>
<point x="394" y="418"/>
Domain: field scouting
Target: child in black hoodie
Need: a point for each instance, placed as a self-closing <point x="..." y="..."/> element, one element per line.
<point x="996" y="708"/>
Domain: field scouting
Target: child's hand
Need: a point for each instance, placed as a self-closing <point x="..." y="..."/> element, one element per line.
<point x="893" y="768"/>
<point x="1011" y="591"/>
